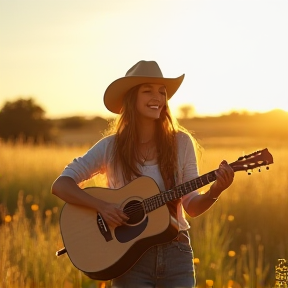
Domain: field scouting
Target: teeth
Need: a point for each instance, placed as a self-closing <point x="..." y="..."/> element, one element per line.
<point x="154" y="107"/>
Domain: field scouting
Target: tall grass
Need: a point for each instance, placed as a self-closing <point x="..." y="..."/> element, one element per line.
<point x="241" y="237"/>
<point x="237" y="241"/>
<point x="32" y="169"/>
<point x="27" y="253"/>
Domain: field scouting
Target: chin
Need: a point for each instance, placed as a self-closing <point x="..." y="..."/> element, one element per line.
<point x="156" y="116"/>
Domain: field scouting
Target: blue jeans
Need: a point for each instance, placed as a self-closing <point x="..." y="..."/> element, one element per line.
<point x="164" y="266"/>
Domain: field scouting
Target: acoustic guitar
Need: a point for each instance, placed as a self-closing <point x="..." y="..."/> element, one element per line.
<point x="103" y="252"/>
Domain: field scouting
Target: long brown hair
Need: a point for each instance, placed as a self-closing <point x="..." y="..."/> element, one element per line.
<point x="125" y="150"/>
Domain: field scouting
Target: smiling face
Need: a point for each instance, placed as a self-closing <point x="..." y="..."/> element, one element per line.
<point x="151" y="99"/>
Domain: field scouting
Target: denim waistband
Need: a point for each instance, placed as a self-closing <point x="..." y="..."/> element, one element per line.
<point x="183" y="236"/>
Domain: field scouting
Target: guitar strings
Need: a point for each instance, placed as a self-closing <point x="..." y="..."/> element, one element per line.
<point x="133" y="209"/>
<point x="138" y="207"/>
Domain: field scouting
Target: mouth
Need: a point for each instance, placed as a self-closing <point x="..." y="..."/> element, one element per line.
<point x="155" y="107"/>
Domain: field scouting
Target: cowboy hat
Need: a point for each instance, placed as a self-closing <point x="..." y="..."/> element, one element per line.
<point x="141" y="73"/>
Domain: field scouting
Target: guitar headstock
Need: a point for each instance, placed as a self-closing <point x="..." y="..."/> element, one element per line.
<point x="249" y="162"/>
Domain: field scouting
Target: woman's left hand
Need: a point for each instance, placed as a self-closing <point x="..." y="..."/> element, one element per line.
<point x="225" y="176"/>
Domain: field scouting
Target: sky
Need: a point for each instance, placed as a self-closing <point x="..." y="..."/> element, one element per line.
<point x="64" y="53"/>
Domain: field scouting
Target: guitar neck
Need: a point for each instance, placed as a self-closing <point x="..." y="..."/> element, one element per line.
<point x="156" y="201"/>
<point x="244" y="163"/>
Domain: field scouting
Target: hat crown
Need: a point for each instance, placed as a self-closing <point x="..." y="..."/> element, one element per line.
<point x="145" y="69"/>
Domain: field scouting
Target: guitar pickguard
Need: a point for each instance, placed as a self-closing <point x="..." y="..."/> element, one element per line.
<point x="127" y="233"/>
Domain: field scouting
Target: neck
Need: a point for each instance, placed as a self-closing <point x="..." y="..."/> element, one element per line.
<point x="146" y="131"/>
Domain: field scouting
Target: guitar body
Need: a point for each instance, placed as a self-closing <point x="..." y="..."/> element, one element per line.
<point x="104" y="253"/>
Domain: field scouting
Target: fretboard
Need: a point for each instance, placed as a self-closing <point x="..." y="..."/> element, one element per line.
<point x="158" y="200"/>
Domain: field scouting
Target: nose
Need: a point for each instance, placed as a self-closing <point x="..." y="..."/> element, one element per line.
<point x="157" y="96"/>
<point x="156" y="99"/>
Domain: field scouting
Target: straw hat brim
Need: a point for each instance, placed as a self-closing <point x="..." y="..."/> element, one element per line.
<point x="116" y="91"/>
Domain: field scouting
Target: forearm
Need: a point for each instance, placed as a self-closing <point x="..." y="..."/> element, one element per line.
<point x="202" y="202"/>
<point x="66" y="188"/>
<point x="199" y="204"/>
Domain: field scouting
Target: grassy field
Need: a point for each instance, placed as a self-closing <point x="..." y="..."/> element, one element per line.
<point x="236" y="242"/>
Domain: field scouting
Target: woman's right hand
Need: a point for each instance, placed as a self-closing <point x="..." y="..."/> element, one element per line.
<point x="112" y="214"/>
<point x="65" y="188"/>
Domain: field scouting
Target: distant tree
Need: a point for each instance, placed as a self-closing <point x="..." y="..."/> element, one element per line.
<point x="23" y="119"/>
<point x="187" y="111"/>
<point x="74" y="122"/>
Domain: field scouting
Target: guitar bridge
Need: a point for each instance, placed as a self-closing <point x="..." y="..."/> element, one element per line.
<point x="103" y="227"/>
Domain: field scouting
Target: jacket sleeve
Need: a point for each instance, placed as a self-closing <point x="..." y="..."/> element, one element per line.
<point x="91" y="163"/>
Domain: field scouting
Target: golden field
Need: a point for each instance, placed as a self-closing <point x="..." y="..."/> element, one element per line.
<point x="236" y="243"/>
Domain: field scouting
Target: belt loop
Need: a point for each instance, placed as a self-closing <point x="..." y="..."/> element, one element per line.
<point x="183" y="236"/>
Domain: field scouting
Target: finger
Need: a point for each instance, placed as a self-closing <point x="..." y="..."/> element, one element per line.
<point x="121" y="214"/>
<point x="113" y="222"/>
<point x="112" y="218"/>
<point x="118" y="221"/>
<point x="228" y="172"/>
<point x="223" y="179"/>
<point x="220" y="180"/>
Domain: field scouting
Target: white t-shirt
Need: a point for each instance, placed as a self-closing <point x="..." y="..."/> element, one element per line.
<point x="98" y="159"/>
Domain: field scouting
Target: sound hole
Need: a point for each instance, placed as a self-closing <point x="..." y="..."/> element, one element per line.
<point x="134" y="210"/>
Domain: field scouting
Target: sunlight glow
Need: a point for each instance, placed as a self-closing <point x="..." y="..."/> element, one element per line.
<point x="233" y="53"/>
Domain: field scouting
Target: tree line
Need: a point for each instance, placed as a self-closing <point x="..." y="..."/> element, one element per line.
<point x="25" y="120"/>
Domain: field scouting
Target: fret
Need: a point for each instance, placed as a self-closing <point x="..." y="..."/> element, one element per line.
<point x="202" y="184"/>
<point x="147" y="210"/>
<point x="211" y="177"/>
<point x="166" y="197"/>
<point x="173" y="195"/>
<point x="150" y="205"/>
<point x="163" y="198"/>
<point x="185" y="188"/>
<point x="198" y="182"/>
<point x="193" y="185"/>
<point x="179" y="192"/>
<point x="157" y="201"/>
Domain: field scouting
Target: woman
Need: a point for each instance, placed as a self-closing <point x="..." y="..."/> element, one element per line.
<point x="147" y="141"/>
